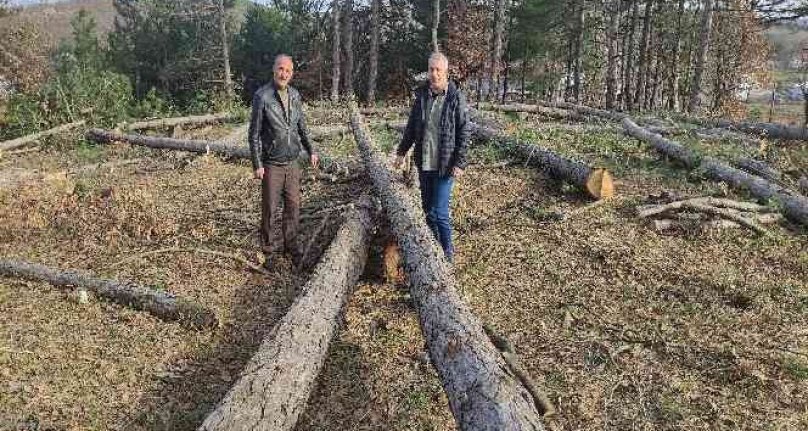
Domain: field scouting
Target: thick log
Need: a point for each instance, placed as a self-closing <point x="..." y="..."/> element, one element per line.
<point x="767" y="130"/>
<point x="792" y="205"/>
<point x="190" y="145"/>
<point x="597" y="182"/>
<point x="28" y="139"/>
<point x="586" y="110"/>
<point x="274" y="387"/>
<point x="161" y="304"/>
<point x="760" y="168"/>
<point x="483" y="394"/>
<point x="166" y="123"/>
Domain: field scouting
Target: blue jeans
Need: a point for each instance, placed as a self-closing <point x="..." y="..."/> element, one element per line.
<point x="435" y="194"/>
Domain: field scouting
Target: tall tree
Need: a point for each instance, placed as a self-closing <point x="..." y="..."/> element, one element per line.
<point x="375" y="12"/>
<point x="628" y="53"/>
<point x="642" y="77"/>
<point x="348" y="49"/>
<point x="612" y="55"/>
<point x="674" y="71"/>
<point x="228" y="83"/>
<point x="496" y="52"/>
<point x="578" y="51"/>
<point x="705" y="31"/>
<point x="335" y="51"/>
<point x="435" y="23"/>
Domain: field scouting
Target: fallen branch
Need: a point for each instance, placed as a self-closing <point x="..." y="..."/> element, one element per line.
<point x="647" y="211"/>
<point x="28" y="139"/>
<point x="560" y="114"/>
<point x="482" y="393"/>
<point x="792" y="205"/>
<point x="161" y="304"/>
<point x="727" y="215"/>
<point x="165" y="123"/>
<point x="275" y="385"/>
<point x="235" y="257"/>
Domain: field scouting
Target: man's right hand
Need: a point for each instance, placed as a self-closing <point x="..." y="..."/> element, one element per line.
<point x="259" y="173"/>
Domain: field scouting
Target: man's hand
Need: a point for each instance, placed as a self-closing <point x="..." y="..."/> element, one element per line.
<point x="398" y="161"/>
<point x="315" y="160"/>
<point x="457" y="172"/>
<point x="259" y="173"/>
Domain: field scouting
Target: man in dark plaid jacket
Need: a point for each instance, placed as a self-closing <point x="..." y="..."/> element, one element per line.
<point x="438" y="129"/>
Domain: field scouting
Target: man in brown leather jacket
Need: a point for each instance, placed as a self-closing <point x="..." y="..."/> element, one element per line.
<point x="277" y="132"/>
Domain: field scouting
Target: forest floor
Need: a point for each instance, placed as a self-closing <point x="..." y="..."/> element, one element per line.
<point x="623" y="326"/>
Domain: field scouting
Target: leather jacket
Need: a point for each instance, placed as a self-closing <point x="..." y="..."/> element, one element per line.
<point x="275" y="137"/>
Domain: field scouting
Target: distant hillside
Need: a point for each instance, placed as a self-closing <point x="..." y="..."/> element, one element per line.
<point x="54" y="19"/>
<point x="786" y="42"/>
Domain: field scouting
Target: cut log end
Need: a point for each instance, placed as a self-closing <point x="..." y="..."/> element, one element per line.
<point x="600" y="184"/>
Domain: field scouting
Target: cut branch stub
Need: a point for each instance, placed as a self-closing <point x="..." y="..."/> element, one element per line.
<point x="161" y="304"/>
<point x="483" y="394"/>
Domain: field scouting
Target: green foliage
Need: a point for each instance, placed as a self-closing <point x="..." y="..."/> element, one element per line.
<point x="264" y="34"/>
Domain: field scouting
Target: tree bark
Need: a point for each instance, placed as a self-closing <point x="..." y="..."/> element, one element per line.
<point x="596" y="182"/>
<point x="792" y="205"/>
<point x="435" y="23"/>
<point x="28" y="139"/>
<point x="164" y="305"/>
<point x="628" y="51"/>
<point x="335" y="52"/>
<point x="348" y="49"/>
<point x="673" y="97"/>
<point x="274" y="387"/>
<point x="612" y="56"/>
<point x="639" y="96"/>
<point x="586" y="110"/>
<point x="228" y="83"/>
<point x="580" y="18"/>
<point x="482" y="393"/>
<point x="375" y="12"/>
<point x="559" y="114"/>
<point x="496" y="53"/>
<point x="705" y="32"/>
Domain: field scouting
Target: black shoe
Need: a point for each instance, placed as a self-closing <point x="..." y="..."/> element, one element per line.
<point x="269" y="262"/>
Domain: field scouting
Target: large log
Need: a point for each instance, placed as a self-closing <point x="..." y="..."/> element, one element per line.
<point x="165" y="123"/>
<point x="767" y="130"/>
<point x="275" y="385"/>
<point x="792" y="205"/>
<point x="190" y="145"/>
<point x="597" y="182"/>
<point x="483" y="394"/>
<point x="28" y="139"/>
<point x="586" y="110"/>
<point x="161" y="304"/>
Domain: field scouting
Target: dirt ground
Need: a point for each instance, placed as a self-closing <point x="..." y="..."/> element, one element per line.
<point x="623" y="326"/>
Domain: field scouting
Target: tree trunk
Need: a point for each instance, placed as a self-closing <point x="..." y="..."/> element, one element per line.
<point x="596" y="182"/>
<point x="167" y="123"/>
<point x="555" y="113"/>
<point x="639" y="96"/>
<point x="335" y="52"/>
<point x="579" y="51"/>
<point x="375" y="12"/>
<point x="228" y="83"/>
<point x="435" y="23"/>
<point x="628" y="94"/>
<point x="585" y="110"/>
<point x="483" y="394"/>
<point x="792" y="205"/>
<point x="161" y="304"/>
<point x="28" y="139"/>
<point x="673" y="98"/>
<point x="705" y="31"/>
<point x="612" y="56"/>
<point x="274" y="387"/>
<point x="496" y="53"/>
<point x="348" y="49"/>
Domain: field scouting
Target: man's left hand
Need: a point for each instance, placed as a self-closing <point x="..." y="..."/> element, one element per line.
<point x="457" y="172"/>
<point x="315" y="161"/>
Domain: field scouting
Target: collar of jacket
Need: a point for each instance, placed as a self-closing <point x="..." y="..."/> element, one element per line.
<point x="290" y="91"/>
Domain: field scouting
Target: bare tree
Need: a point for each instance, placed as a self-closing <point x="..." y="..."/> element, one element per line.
<point x="375" y="11"/>
<point x="705" y="31"/>
<point x="335" y="50"/>
<point x="639" y="96"/>
<point x="673" y="85"/>
<point x="228" y="83"/>
<point x="435" y="22"/>
<point x="611" y="54"/>
<point x="348" y="49"/>
<point x="496" y="53"/>
<point x="578" y="63"/>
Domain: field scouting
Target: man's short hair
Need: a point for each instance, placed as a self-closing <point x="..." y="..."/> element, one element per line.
<point x="280" y="57"/>
<point x="439" y="58"/>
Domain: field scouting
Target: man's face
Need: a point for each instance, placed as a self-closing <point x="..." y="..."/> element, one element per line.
<point x="438" y="75"/>
<point x="283" y="71"/>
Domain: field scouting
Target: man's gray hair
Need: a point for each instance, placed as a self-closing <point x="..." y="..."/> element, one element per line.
<point x="439" y="58"/>
<point x="280" y="57"/>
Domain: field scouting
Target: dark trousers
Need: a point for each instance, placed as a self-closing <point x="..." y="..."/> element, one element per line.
<point x="280" y="184"/>
<point x="435" y="194"/>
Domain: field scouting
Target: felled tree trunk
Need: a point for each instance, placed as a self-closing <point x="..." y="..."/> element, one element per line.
<point x="190" y="145"/>
<point x="28" y="139"/>
<point x="165" y="123"/>
<point x="768" y="130"/>
<point x="276" y="384"/>
<point x="561" y="114"/>
<point x="586" y="110"/>
<point x="161" y="304"/>
<point x="597" y="182"/>
<point x="792" y="205"/>
<point x="482" y="393"/>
